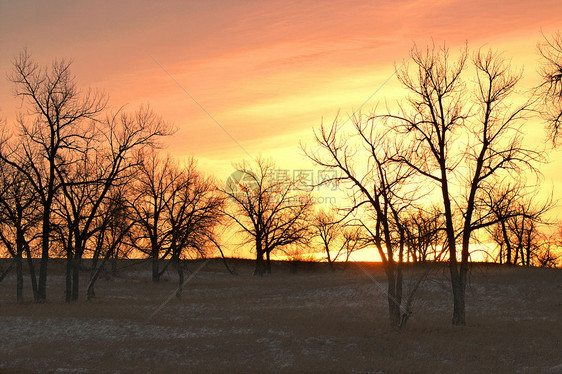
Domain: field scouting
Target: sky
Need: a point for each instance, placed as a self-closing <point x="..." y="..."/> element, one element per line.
<point x="239" y="79"/>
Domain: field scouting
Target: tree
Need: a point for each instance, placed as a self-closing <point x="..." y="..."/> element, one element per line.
<point x="58" y="121"/>
<point x="501" y="204"/>
<point x="377" y="185"/>
<point x="18" y="218"/>
<point x="70" y="157"/>
<point x="549" y="253"/>
<point x="194" y="213"/>
<point x="443" y="116"/>
<point x="153" y="187"/>
<point x="550" y="88"/>
<point x="269" y="209"/>
<point x="424" y="233"/>
<point x="176" y="210"/>
<point x="337" y="237"/>
<point x="354" y="238"/>
<point x="87" y="181"/>
<point x="328" y="230"/>
<point x="517" y="217"/>
<point x="115" y="225"/>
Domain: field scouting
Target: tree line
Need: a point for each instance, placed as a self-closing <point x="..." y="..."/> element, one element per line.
<point x="77" y="179"/>
<point x="448" y="168"/>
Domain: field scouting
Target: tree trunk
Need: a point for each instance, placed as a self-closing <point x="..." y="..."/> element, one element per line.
<point x="393" y="302"/>
<point x="42" y="285"/>
<point x="68" y="280"/>
<point x="231" y="271"/>
<point x="458" y="292"/>
<point x="155" y="271"/>
<point x="259" y="270"/>
<point x="507" y="243"/>
<point x="516" y="257"/>
<point x="268" y="267"/>
<point x="179" y="267"/>
<point x="328" y="257"/>
<point x="31" y="272"/>
<point x="19" y="273"/>
<point x="76" y="263"/>
<point x="458" y="283"/>
<point x="90" y="293"/>
<point x="528" y="261"/>
<point x="75" y="277"/>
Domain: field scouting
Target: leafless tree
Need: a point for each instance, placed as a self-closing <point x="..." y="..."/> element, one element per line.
<point x="550" y="251"/>
<point x="114" y="225"/>
<point x="443" y="115"/>
<point x="328" y="230"/>
<point x="176" y="212"/>
<point x="87" y="181"/>
<point x="339" y="239"/>
<point x="517" y="218"/>
<point x="194" y="212"/>
<point x="270" y="210"/>
<point x="70" y="156"/>
<point x="378" y="191"/>
<point x="18" y="218"/>
<point x="354" y="238"/>
<point x="424" y="233"/>
<point x="152" y="187"/>
<point x="550" y="88"/>
<point x="57" y="122"/>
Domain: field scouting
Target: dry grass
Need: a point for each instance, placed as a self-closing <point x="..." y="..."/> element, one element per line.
<point x="313" y="320"/>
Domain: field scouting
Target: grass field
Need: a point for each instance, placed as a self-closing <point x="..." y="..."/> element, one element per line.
<point x="304" y="319"/>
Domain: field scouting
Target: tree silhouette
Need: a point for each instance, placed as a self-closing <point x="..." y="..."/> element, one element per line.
<point x="58" y="122"/>
<point x="269" y="210"/>
<point x="378" y="193"/>
<point x="461" y="135"/>
<point x="550" y="88"/>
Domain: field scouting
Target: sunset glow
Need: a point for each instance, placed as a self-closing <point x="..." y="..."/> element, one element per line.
<point x="243" y="78"/>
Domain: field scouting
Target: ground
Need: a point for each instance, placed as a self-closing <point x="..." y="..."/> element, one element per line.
<point x="303" y="318"/>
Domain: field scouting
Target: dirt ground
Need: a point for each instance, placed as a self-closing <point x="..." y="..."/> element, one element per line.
<point x="300" y="319"/>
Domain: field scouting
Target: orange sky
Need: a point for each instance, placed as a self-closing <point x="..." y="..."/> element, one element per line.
<point x="267" y="71"/>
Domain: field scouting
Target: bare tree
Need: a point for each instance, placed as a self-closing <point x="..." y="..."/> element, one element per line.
<point x="328" y="231"/>
<point x="550" y="253"/>
<point x="443" y="116"/>
<point x="517" y="217"/>
<point x="424" y="233"/>
<point x="70" y="157"/>
<point x="115" y="225"/>
<point x="153" y="187"/>
<point x="550" y="88"/>
<point x="339" y="239"/>
<point x="57" y="122"/>
<point x="378" y="190"/>
<point x="269" y="210"/>
<point x="87" y="181"/>
<point x="354" y="238"/>
<point x="194" y="212"/>
<point x="501" y="202"/>
<point x="18" y="218"/>
<point x="176" y="212"/>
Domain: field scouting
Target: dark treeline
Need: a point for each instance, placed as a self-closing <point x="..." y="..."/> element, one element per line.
<point x="79" y="180"/>
<point x="447" y="169"/>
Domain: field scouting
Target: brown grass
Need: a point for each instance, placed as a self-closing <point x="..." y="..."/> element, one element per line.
<point x="311" y="320"/>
